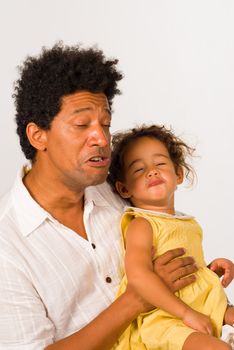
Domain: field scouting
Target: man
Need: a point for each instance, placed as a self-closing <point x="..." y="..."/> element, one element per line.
<point x="60" y="249"/>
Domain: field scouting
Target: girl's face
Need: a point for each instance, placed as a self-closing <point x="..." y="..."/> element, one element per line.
<point x="150" y="176"/>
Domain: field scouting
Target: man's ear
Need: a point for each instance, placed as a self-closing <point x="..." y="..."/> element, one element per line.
<point x="36" y="136"/>
<point x="122" y="189"/>
<point x="180" y="175"/>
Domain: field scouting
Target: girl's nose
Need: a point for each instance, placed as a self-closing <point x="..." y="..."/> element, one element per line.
<point x="152" y="172"/>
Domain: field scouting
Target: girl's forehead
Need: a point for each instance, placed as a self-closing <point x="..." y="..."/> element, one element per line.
<point x="147" y="144"/>
<point x="143" y="148"/>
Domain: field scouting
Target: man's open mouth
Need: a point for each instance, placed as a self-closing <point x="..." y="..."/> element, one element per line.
<point x="101" y="161"/>
<point x="97" y="159"/>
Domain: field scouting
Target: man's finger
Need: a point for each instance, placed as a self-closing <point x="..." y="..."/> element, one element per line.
<point x="184" y="282"/>
<point x="183" y="272"/>
<point x="182" y="262"/>
<point x="165" y="258"/>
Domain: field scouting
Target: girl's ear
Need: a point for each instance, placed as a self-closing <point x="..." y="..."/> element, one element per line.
<point x="122" y="189"/>
<point x="180" y="175"/>
<point x="36" y="136"/>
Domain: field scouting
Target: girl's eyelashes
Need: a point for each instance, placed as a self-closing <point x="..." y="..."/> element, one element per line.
<point x="142" y="168"/>
<point x="139" y="169"/>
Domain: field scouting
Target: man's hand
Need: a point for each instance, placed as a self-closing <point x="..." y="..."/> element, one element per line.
<point x="225" y="268"/>
<point x="174" y="269"/>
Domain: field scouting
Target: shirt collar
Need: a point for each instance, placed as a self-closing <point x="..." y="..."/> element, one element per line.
<point x="177" y="215"/>
<point x="93" y="195"/>
<point x="30" y="214"/>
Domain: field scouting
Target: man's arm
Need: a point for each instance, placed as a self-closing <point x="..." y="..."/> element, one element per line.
<point x="25" y="324"/>
<point x="24" y="321"/>
<point x="174" y="269"/>
<point x="106" y="328"/>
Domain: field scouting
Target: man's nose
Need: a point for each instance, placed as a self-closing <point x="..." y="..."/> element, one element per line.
<point x="99" y="136"/>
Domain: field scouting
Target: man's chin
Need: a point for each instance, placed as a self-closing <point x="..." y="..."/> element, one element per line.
<point x="83" y="180"/>
<point x="97" y="180"/>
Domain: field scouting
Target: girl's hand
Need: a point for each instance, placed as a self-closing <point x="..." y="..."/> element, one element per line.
<point x="223" y="267"/>
<point x="198" y="321"/>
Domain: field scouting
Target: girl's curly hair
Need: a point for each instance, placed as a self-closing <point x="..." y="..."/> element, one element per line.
<point x="177" y="149"/>
<point x="57" y="72"/>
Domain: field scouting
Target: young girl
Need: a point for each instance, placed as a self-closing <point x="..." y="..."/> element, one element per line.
<point x="148" y="164"/>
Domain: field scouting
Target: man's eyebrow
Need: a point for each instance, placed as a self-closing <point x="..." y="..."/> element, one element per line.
<point x="84" y="109"/>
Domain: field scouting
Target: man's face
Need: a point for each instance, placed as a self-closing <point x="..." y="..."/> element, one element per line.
<point x="78" y="142"/>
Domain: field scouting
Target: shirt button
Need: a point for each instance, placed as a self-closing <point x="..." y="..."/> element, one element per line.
<point x="108" y="280"/>
<point x="93" y="245"/>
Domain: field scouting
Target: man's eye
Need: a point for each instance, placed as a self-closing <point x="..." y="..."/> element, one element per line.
<point x="81" y="125"/>
<point x="161" y="164"/>
<point x="106" y="122"/>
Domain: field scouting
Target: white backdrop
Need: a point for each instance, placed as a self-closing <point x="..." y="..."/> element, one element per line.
<point x="178" y="61"/>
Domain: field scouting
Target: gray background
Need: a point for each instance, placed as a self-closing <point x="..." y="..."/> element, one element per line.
<point x="178" y="61"/>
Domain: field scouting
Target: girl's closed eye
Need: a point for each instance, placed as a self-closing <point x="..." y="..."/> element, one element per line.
<point x="159" y="164"/>
<point x="138" y="169"/>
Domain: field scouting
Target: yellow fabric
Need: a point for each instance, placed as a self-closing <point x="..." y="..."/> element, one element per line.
<point x="157" y="329"/>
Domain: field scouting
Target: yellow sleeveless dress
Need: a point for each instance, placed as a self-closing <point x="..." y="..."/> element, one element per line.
<point x="158" y="330"/>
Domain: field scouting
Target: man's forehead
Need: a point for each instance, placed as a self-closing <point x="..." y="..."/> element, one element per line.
<point x="85" y="98"/>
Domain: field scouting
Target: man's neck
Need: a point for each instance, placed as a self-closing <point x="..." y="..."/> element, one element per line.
<point x="64" y="205"/>
<point x="51" y="193"/>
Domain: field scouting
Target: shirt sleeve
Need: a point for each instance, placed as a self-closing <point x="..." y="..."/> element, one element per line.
<point x="24" y="324"/>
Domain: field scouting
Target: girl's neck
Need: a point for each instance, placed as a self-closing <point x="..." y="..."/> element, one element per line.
<point x="160" y="209"/>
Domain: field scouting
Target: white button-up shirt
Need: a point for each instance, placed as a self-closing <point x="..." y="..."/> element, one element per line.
<point x="52" y="281"/>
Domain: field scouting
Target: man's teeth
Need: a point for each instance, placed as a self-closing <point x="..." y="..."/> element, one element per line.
<point x="96" y="159"/>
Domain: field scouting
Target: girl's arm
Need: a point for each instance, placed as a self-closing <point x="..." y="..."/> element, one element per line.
<point x="140" y="275"/>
